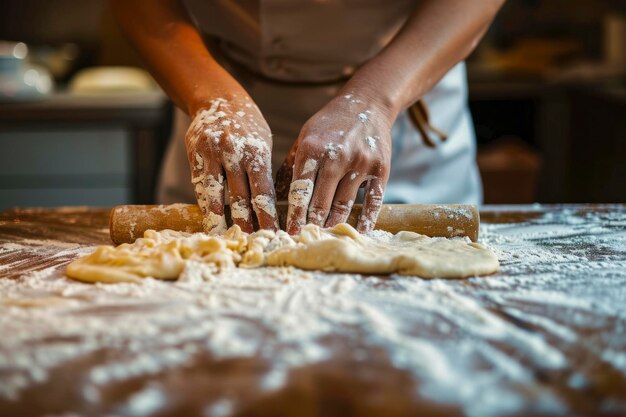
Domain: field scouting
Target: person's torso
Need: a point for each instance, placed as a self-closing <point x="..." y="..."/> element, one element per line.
<point x="293" y="56"/>
<point x="304" y="40"/>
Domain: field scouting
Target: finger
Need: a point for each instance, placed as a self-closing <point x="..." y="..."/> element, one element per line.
<point x="259" y="170"/>
<point x="264" y="201"/>
<point x="283" y="179"/>
<point x="372" y="204"/>
<point x="240" y="210"/>
<point x="344" y="199"/>
<point x="208" y="183"/>
<point x="328" y="178"/>
<point x="300" y="193"/>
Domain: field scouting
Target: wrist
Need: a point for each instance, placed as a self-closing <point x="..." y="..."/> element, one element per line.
<point x="378" y="100"/>
<point x="203" y="102"/>
<point x="204" y="97"/>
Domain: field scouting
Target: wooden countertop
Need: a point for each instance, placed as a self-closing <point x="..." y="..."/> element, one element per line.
<point x="545" y="336"/>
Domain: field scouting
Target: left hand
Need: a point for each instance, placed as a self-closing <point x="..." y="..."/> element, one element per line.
<point x="344" y="146"/>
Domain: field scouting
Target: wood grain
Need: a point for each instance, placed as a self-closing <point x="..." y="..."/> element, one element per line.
<point x="561" y="287"/>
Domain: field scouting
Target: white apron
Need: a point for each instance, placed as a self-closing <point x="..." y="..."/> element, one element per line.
<point x="290" y="57"/>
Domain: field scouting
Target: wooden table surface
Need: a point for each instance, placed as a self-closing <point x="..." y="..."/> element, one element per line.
<point x="544" y="336"/>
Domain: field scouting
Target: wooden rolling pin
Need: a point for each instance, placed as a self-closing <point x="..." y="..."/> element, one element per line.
<point x="128" y="223"/>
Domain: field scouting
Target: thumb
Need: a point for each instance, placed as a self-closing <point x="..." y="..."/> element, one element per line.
<point x="283" y="179"/>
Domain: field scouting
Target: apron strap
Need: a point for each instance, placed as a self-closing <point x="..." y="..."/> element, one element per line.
<point x="418" y="113"/>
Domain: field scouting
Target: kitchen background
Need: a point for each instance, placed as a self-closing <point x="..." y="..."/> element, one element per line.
<point x="82" y="124"/>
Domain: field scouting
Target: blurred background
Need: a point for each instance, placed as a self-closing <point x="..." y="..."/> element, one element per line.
<point x="82" y="124"/>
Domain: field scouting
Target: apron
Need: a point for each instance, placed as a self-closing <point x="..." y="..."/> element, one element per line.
<point x="292" y="59"/>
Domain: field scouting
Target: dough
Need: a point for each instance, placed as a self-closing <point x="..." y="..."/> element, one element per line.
<point x="163" y="254"/>
<point x="343" y="249"/>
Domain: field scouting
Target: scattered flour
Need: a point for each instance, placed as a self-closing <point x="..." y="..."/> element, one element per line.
<point x="265" y="204"/>
<point x="371" y="142"/>
<point x="300" y="192"/>
<point x="309" y="166"/>
<point x="240" y="210"/>
<point x="478" y="344"/>
<point x="333" y="150"/>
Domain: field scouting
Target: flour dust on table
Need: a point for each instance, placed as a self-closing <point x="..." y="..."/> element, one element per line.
<point x="546" y="336"/>
<point x="165" y="254"/>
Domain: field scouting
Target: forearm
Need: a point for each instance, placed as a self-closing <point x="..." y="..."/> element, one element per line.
<point x="438" y="35"/>
<point x="174" y="52"/>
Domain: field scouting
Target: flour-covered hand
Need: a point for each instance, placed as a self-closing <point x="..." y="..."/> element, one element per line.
<point x="229" y="140"/>
<point x="343" y="147"/>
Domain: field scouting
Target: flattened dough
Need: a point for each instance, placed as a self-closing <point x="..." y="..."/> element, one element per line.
<point x="163" y="254"/>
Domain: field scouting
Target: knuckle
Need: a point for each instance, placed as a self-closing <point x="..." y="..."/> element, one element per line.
<point x="378" y="167"/>
<point x="309" y="140"/>
<point x="374" y="201"/>
<point x="334" y="151"/>
<point x="256" y="164"/>
<point x="380" y="170"/>
<point x="342" y="207"/>
<point x="316" y="208"/>
<point x="366" y="158"/>
<point x="331" y="172"/>
<point x="353" y="175"/>
<point x="310" y="148"/>
<point x="316" y="215"/>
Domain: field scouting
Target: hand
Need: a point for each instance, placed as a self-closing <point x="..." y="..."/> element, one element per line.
<point x="230" y="139"/>
<point x="344" y="146"/>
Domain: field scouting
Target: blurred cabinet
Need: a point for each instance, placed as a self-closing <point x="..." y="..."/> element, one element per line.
<point x="60" y="166"/>
<point x="89" y="150"/>
<point x="597" y="152"/>
<point x="551" y="143"/>
<point x="505" y="117"/>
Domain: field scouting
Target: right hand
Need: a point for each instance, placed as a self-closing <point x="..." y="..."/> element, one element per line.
<point x="230" y="140"/>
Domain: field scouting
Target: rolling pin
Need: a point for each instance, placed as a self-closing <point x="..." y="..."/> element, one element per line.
<point x="128" y="223"/>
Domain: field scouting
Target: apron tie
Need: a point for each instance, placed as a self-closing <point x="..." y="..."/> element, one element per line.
<point x="418" y="113"/>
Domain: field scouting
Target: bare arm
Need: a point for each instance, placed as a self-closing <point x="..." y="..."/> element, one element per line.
<point x="228" y="140"/>
<point x="438" y="35"/>
<point x="348" y="142"/>
<point x="174" y="51"/>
